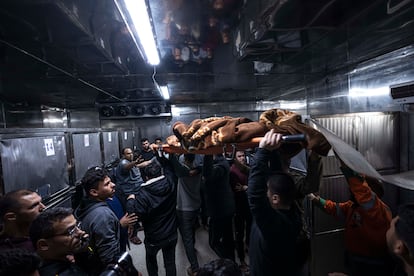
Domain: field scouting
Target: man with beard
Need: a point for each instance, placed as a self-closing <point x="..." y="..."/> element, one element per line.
<point x="17" y="211"/>
<point x="55" y="234"/>
<point x="129" y="179"/>
<point x="99" y="221"/>
<point x="239" y="175"/>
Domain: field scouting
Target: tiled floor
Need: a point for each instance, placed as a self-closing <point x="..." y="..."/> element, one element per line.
<point x="204" y="254"/>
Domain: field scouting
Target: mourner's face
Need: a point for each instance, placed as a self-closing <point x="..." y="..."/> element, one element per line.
<point x="30" y="207"/>
<point x="128" y="154"/>
<point x="145" y="145"/>
<point x="241" y="157"/>
<point x="67" y="237"/>
<point x="106" y="189"/>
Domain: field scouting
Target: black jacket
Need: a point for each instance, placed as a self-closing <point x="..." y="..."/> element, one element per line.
<point x="218" y="194"/>
<point x="61" y="268"/>
<point x="274" y="232"/>
<point x="155" y="205"/>
<point x="103" y="227"/>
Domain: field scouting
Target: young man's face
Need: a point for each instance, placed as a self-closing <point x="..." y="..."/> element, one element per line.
<point x="128" y="154"/>
<point x="145" y="145"/>
<point x="241" y="157"/>
<point x="106" y="189"/>
<point x="30" y="207"/>
<point x="67" y="238"/>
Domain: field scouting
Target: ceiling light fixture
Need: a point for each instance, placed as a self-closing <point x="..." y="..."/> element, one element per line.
<point x="164" y="91"/>
<point x="137" y="18"/>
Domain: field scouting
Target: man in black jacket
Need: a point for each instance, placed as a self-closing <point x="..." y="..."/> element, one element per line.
<point x="155" y="205"/>
<point x="276" y="222"/>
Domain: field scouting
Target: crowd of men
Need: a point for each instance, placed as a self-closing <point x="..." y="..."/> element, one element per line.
<point x="255" y="211"/>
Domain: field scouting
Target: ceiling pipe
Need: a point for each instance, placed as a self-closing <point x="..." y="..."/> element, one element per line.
<point x="60" y="70"/>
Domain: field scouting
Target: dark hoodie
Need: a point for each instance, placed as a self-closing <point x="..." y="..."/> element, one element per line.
<point x="103" y="227"/>
<point x="155" y="205"/>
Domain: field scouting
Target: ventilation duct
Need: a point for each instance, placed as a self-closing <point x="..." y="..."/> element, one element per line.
<point x="132" y="110"/>
<point x="107" y="111"/>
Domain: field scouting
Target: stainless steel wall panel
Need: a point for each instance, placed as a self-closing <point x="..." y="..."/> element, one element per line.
<point x="374" y="135"/>
<point x="377" y="140"/>
<point x="84" y="118"/>
<point x="38" y="163"/>
<point x="406" y="196"/>
<point x="110" y="142"/>
<point x="344" y="127"/>
<point x="327" y="254"/>
<point x="151" y="129"/>
<point x="410" y="125"/>
<point x="127" y="139"/>
<point x="86" y="152"/>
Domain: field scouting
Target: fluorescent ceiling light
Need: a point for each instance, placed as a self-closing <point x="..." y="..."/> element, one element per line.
<point x="369" y="92"/>
<point x="135" y="14"/>
<point x="165" y="92"/>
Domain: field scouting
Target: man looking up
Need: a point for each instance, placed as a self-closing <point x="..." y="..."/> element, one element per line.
<point x="99" y="221"/>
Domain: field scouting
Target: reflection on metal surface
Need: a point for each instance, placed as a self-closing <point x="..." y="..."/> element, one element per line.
<point x="329" y="232"/>
<point x="403" y="180"/>
<point x="351" y="157"/>
<point x="28" y="163"/>
<point x="370" y="92"/>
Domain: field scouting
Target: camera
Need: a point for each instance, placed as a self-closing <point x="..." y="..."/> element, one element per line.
<point x="123" y="267"/>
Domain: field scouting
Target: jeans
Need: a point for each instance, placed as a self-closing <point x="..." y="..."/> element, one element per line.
<point x="168" y="253"/>
<point x="186" y="222"/>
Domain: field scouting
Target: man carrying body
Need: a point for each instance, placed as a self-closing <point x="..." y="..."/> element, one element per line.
<point x="17" y="211"/>
<point x="129" y="180"/>
<point x="155" y="205"/>
<point x="276" y="221"/>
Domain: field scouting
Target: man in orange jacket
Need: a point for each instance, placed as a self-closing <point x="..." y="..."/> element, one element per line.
<point x="367" y="219"/>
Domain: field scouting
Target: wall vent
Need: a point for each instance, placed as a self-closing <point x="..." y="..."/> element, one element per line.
<point x="402" y="93"/>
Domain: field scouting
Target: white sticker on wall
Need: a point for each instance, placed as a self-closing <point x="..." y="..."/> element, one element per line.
<point x="125" y="135"/>
<point x="86" y="140"/>
<point x="49" y="148"/>
<point x="109" y="137"/>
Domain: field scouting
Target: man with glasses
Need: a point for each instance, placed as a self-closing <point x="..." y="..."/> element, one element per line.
<point x="99" y="221"/>
<point x="56" y="234"/>
<point x="17" y="211"/>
